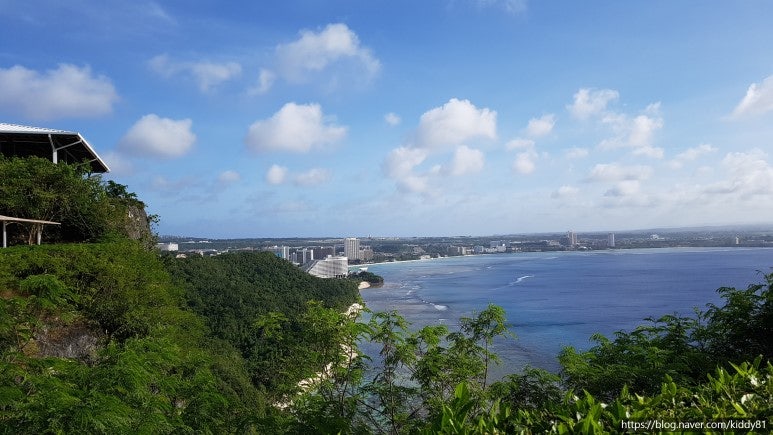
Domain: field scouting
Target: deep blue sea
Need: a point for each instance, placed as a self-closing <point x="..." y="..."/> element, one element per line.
<point x="560" y="299"/>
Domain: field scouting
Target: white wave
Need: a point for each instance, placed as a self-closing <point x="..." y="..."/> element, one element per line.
<point x="521" y="278"/>
<point x="439" y="307"/>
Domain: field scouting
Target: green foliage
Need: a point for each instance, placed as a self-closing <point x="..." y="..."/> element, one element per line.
<point x="369" y="277"/>
<point x="746" y="392"/>
<point x="156" y="370"/>
<point x="742" y="327"/>
<point x="684" y="348"/>
<point x="87" y="208"/>
<point x="259" y="304"/>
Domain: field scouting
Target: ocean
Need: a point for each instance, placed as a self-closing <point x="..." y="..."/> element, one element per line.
<point x="557" y="299"/>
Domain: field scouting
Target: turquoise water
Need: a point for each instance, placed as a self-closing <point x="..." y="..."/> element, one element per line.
<point x="560" y="299"/>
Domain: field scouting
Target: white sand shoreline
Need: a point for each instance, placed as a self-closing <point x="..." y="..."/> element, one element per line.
<point x="348" y="351"/>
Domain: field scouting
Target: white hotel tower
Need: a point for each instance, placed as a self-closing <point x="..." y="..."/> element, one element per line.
<point x="352" y="248"/>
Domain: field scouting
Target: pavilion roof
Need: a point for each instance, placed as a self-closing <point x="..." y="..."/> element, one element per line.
<point x="70" y="146"/>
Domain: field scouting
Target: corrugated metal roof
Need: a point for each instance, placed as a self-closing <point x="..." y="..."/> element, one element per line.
<point x="15" y="128"/>
<point x="72" y="138"/>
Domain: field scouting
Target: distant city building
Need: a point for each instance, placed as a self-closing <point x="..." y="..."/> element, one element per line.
<point x="352" y="248"/>
<point x="611" y="240"/>
<point x="167" y="247"/>
<point x="330" y="267"/>
<point x="322" y="252"/>
<point x="305" y="255"/>
<point x="366" y="253"/>
<point x="572" y="238"/>
<point x="281" y="251"/>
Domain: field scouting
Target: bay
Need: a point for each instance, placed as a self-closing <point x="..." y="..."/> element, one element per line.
<point x="557" y="299"/>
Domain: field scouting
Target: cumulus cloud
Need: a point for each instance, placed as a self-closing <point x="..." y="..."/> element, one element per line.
<point x="758" y="99"/>
<point x="65" y="92"/>
<point x="636" y="133"/>
<point x="605" y="172"/>
<point x="539" y="127"/>
<point x="153" y="136"/>
<point x="399" y="166"/>
<point x="590" y="102"/>
<point x="401" y="161"/>
<point x="455" y="123"/>
<point x="392" y="119"/>
<point x="317" y="51"/>
<point x="525" y="162"/>
<point x="749" y="174"/>
<point x="276" y="174"/>
<point x="690" y="154"/>
<point x="228" y="177"/>
<point x="207" y="75"/>
<point x="295" y="128"/>
<point x="313" y="177"/>
<point x="266" y="80"/>
<point x="467" y="161"/>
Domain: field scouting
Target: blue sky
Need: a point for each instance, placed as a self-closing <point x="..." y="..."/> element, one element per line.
<point x="408" y="118"/>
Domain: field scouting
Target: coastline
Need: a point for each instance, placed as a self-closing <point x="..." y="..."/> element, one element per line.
<point x="348" y="351"/>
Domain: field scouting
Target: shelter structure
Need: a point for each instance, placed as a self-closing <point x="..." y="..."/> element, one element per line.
<point x="56" y="145"/>
<point x="7" y="220"/>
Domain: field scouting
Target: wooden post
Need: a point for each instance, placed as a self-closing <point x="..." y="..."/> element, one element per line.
<point x="5" y="235"/>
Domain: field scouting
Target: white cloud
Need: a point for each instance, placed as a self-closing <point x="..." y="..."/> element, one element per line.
<point x="316" y="51"/>
<point x="525" y="162"/>
<point x="228" y="177"/>
<point x="758" y="99"/>
<point x="207" y="75"/>
<point x="158" y="137"/>
<point x="520" y="144"/>
<point x="565" y="192"/>
<point x="539" y="127"/>
<point x="589" y="102"/>
<point x="266" y="80"/>
<point x="399" y="166"/>
<point x="392" y="119"/>
<point x="636" y="133"/>
<point x="65" y="92"/>
<point x="455" y="123"/>
<point x="276" y="174"/>
<point x="296" y="128"/>
<point x="313" y="177"/>
<point x="401" y="161"/>
<point x="642" y="129"/>
<point x="749" y="174"/>
<point x="576" y="153"/>
<point x="467" y="161"/>
<point x="691" y="154"/>
<point x="613" y="172"/>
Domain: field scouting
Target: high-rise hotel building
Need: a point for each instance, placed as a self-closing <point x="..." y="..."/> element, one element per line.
<point x="352" y="248"/>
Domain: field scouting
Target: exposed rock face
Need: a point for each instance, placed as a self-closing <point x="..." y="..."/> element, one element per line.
<point x="137" y="224"/>
<point x="77" y="340"/>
